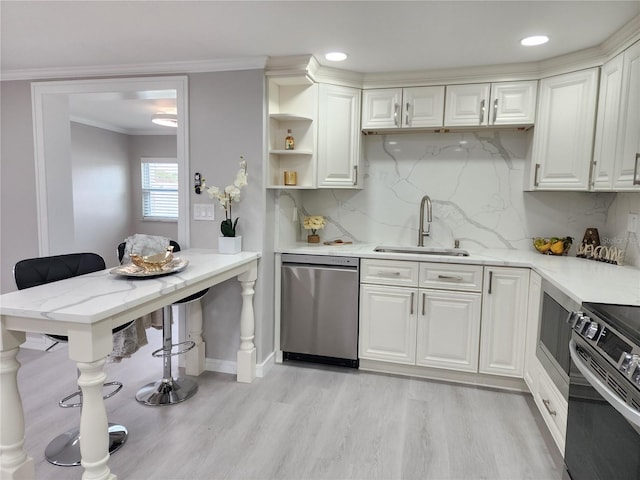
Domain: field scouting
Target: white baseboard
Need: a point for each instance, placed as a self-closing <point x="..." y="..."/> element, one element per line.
<point x="228" y="366"/>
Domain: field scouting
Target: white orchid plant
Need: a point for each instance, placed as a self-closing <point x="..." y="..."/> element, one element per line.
<point x="314" y="223"/>
<point x="226" y="197"/>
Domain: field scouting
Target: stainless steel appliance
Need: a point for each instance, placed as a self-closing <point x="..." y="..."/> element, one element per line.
<point x="319" y="309"/>
<point x="554" y="334"/>
<point x="603" y="425"/>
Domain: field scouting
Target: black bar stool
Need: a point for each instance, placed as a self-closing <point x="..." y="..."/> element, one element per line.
<point x="168" y="390"/>
<point x="64" y="450"/>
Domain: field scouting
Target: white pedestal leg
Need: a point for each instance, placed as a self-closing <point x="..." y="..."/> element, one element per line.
<point x="94" y="436"/>
<point x="14" y="462"/>
<point x="194" y="358"/>
<point x="247" y="353"/>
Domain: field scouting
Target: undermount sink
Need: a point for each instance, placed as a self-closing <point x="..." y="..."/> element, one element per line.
<point x="451" y="252"/>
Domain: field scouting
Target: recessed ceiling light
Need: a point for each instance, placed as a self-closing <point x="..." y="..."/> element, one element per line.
<point x="534" y="40"/>
<point x="336" y="56"/>
<point x="165" y="119"/>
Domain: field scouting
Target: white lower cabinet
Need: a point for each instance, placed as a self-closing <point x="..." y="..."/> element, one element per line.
<point x="388" y="323"/>
<point x="504" y="321"/>
<point x="448" y="330"/>
<point x="553" y="407"/>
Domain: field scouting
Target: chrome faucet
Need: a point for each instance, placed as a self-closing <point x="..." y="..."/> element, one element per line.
<point x="421" y="231"/>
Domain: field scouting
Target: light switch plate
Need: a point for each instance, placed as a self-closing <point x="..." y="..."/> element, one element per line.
<point x="203" y="211"/>
<point x="632" y="223"/>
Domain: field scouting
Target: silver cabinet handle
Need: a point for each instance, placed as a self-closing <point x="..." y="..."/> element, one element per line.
<point x="395" y="114"/>
<point x="388" y="274"/>
<point x="355" y="174"/>
<point x="546" y="404"/>
<point x="424" y="303"/>
<point x="457" y="278"/>
<point x="481" y="112"/>
<point x="636" y="180"/>
<point x="406" y="123"/>
<point x="535" y="176"/>
<point x="490" y="282"/>
<point x="412" y="294"/>
<point x="495" y="110"/>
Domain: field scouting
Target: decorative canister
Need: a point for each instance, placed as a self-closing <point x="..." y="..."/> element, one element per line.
<point x="291" y="178"/>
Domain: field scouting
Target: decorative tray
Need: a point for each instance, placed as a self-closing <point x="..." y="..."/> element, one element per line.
<point x="131" y="270"/>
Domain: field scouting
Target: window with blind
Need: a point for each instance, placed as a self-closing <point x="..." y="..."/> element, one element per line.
<point x="159" y="190"/>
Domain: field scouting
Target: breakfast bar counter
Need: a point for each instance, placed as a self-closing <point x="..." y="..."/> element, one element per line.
<point x="86" y="309"/>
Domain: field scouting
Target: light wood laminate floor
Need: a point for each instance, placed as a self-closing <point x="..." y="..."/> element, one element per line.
<point x="299" y="422"/>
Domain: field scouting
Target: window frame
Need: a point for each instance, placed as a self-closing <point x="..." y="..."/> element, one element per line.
<point x="144" y="189"/>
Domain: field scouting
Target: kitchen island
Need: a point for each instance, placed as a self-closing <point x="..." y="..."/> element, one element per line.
<point x="86" y="309"/>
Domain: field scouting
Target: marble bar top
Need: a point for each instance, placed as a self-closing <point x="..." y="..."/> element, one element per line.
<point x="581" y="279"/>
<point x="91" y="298"/>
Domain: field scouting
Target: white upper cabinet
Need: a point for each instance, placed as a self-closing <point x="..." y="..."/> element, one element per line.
<point x="508" y="103"/>
<point x="604" y="150"/>
<point x="338" y="136"/>
<point x="627" y="162"/>
<point x="417" y="107"/>
<point x="563" y="135"/>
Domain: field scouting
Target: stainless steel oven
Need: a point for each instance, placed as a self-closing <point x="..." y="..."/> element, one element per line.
<point x="603" y="424"/>
<point x="554" y="334"/>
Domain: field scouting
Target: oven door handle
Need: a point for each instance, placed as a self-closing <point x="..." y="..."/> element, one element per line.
<point x="632" y="415"/>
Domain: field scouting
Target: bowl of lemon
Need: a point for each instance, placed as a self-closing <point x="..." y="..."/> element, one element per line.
<point x="553" y="245"/>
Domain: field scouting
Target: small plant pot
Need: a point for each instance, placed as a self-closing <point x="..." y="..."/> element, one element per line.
<point x="230" y="245"/>
<point x="313" y="238"/>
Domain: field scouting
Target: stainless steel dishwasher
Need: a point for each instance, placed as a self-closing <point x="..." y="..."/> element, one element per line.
<point x="319" y="309"/>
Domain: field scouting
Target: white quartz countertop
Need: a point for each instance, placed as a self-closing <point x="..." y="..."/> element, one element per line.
<point x="583" y="280"/>
<point x="96" y="296"/>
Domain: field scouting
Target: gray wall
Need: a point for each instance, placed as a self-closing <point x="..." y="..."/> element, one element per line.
<point x="226" y="113"/>
<point x="101" y="193"/>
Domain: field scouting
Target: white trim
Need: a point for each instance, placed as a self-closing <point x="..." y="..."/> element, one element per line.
<point x="224" y="65"/>
<point x="68" y="87"/>
<point x="231" y="367"/>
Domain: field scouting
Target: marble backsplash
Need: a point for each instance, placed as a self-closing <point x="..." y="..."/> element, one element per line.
<point x="476" y="184"/>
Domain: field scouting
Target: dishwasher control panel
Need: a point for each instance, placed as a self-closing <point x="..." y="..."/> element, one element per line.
<point x="320" y="259"/>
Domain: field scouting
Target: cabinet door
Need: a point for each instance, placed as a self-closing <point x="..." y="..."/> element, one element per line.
<point x="504" y="320"/>
<point x="604" y="150"/>
<point x="531" y="342"/>
<point x="627" y="168"/>
<point x="563" y="136"/>
<point x="423" y="107"/>
<point x="466" y="105"/>
<point x="513" y="103"/>
<point x="338" y="136"/>
<point x="381" y="108"/>
<point x="449" y="330"/>
<point x="388" y="323"/>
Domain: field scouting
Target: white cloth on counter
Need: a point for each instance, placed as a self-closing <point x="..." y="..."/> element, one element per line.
<point x="143" y="245"/>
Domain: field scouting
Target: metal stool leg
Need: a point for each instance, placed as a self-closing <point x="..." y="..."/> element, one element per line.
<point x="169" y="390"/>
<point x="64" y="450"/>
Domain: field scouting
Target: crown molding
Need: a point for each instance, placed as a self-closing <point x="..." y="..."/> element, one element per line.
<point x="223" y="65"/>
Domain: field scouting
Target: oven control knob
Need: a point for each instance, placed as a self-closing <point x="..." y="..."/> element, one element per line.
<point x="572" y="318"/>
<point x="628" y="363"/>
<point x="582" y="321"/>
<point x="592" y="330"/>
<point x="635" y="376"/>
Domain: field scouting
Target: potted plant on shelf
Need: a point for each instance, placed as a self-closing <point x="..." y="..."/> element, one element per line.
<point x="314" y="223"/>
<point x="229" y="242"/>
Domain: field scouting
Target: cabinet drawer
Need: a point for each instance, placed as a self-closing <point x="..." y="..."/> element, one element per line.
<point x="553" y="408"/>
<point x="389" y="272"/>
<point x="447" y="276"/>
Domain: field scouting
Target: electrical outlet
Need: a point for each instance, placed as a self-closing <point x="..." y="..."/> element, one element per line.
<point x="632" y="223"/>
<point x="294" y="217"/>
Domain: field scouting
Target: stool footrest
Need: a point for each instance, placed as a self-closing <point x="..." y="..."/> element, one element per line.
<point x="161" y="352"/>
<point x="78" y="393"/>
